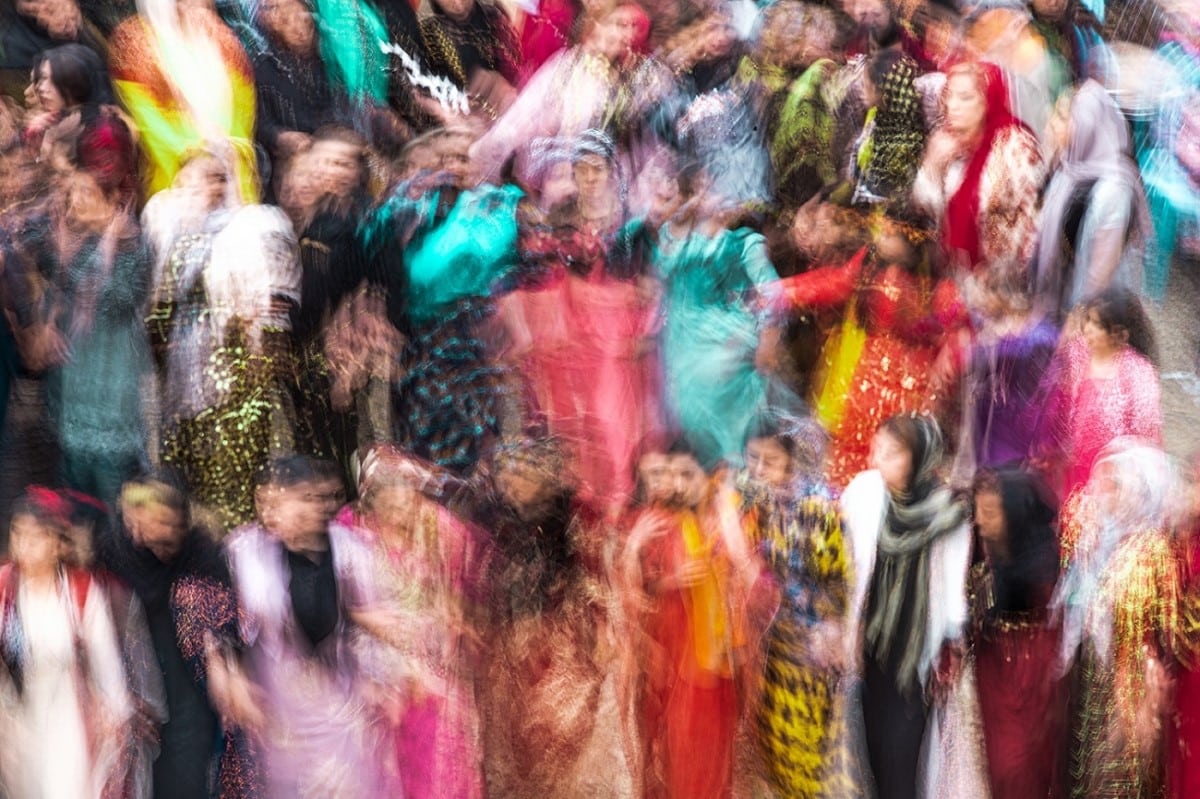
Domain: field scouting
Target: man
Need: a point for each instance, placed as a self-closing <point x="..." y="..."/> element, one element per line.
<point x="174" y="569"/>
<point x="706" y="604"/>
<point x="298" y="687"/>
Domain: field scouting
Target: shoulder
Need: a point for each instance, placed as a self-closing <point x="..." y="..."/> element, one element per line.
<point x="1016" y="145"/>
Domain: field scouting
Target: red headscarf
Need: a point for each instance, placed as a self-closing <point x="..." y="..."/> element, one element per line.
<point x="961" y="231"/>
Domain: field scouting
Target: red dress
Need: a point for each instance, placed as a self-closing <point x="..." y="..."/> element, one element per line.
<point x="1183" y="737"/>
<point x="903" y="337"/>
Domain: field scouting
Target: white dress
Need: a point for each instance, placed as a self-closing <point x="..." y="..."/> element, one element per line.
<point x="49" y="756"/>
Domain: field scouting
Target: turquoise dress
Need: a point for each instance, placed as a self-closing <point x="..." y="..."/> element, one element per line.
<point x="713" y="391"/>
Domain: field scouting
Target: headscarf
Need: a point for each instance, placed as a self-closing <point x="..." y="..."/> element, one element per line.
<point x="1099" y="148"/>
<point x="899" y="136"/>
<point x="915" y="519"/>
<point x="961" y="232"/>
<point x="1135" y="488"/>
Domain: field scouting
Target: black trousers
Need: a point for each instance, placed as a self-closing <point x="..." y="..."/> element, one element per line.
<point x="895" y="727"/>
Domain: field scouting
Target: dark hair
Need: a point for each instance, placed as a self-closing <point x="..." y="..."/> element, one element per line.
<point x="766" y="427"/>
<point x="1030" y="519"/>
<point x="1119" y="309"/>
<point x="683" y="446"/>
<point x="883" y="63"/>
<point x="292" y="470"/>
<point x="78" y="74"/>
<point x="46" y="506"/>
<point x="922" y="437"/>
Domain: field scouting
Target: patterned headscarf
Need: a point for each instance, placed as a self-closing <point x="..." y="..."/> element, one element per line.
<point x="899" y="137"/>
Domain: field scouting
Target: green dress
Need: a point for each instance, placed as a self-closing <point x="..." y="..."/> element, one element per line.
<point x="712" y="388"/>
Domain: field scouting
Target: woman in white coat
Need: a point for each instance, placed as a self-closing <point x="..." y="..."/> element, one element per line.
<point x="911" y="542"/>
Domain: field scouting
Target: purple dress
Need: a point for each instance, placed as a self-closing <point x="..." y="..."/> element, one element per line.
<point x="1005" y="376"/>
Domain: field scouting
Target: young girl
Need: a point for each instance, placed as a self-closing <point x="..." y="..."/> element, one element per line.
<point x="1103" y="385"/>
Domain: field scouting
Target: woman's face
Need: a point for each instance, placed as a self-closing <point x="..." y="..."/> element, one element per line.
<point x="291" y="23"/>
<point x="592" y="176"/>
<point x="34" y="547"/>
<point x="558" y="185"/>
<point x="338" y="163"/>
<point x="654" y="476"/>
<point x="989" y="517"/>
<point x="965" y="106"/>
<point x="456" y="9"/>
<point x="207" y="178"/>
<point x="767" y="461"/>
<point x="1100" y="340"/>
<point x="49" y="96"/>
<point x="395" y="507"/>
<point x="893" y="460"/>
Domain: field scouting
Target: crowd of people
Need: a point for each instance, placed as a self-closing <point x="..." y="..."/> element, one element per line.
<point x="672" y="399"/>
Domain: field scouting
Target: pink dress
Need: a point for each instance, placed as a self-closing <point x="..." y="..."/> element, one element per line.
<point x="1086" y="413"/>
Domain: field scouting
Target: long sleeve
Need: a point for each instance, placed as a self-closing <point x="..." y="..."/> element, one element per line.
<point x="825" y="286"/>
<point x="1012" y="181"/>
<point x="104" y="658"/>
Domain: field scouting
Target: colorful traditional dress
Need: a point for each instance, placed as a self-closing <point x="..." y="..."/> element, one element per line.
<point x="221" y="397"/>
<point x="456" y="246"/>
<point x="429" y="582"/>
<point x="1083" y="413"/>
<point x="897" y="331"/>
<point x="801" y="540"/>
<point x="712" y="389"/>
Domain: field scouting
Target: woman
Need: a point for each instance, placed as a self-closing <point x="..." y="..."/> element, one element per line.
<point x="1003" y="373"/>
<point x="1095" y="224"/>
<point x="184" y="78"/>
<point x="799" y="534"/>
<point x="911" y="542"/>
<point x="981" y="173"/>
<point x="879" y="362"/>
<point x="584" y="324"/>
<point x="713" y="342"/>
<point x="1119" y="600"/>
<point x="1103" y="384"/>
<point x="76" y="126"/>
<point x="445" y="246"/>
<point x="1022" y="696"/>
<point x="891" y="144"/>
<point x="221" y="315"/>
<point x="62" y="686"/>
<point x="428" y="564"/>
<point x="99" y="305"/>
<point x="471" y="42"/>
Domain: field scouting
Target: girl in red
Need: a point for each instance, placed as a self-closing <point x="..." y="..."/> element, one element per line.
<point x="880" y="365"/>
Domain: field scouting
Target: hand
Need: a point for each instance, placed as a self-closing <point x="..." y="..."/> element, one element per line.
<point x="947" y="671"/>
<point x="1148" y="725"/>
<point x="827" y="646"/>
<point x="691" y="573"/>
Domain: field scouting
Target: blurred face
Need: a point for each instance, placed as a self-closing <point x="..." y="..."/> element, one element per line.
<point x="395" y="506"/>
<point x="338" y="164"/>
<point x="60" y="18"/>
<point x="613" y="35"/>
<point x="1100" y="340"/>
<point x="687" y="480"/>
<point x="872" y="15"/>
<point x="49" y="97"/>
<point x="297" y="514"/>
<point x="719" y="38"/>
<point x="522" y="487"/>
<point x="1049" y="9"/>
<point x="965" y="106"/>
<point x="456" y="9"/>
<point x="291" y="23"/>
<point x="989" y="517"/>
<point x="892" y="459"/>
<point x="87" y="208"/>
<point x="157" y="528"/>
<point x="558" y="185"/>
<point x="34" y="547"/>
<point x="207" y="178"/>
<point x="654" y="477"/>
<point x="592" y="176"/>
<point x="767" y="461"/>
